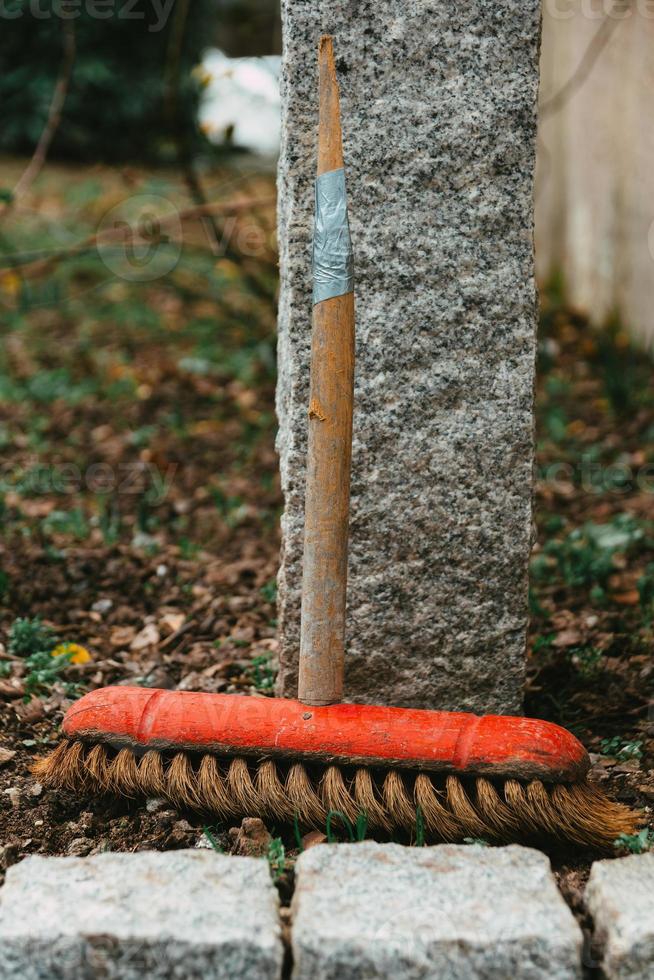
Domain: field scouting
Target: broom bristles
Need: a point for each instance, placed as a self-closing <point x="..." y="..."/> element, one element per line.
<point x="452" y="808"/>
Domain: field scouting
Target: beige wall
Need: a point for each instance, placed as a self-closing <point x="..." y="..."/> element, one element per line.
<point x="595" y="172"/>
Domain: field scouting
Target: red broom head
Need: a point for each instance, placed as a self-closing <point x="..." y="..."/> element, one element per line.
<point x="345" y="734"/>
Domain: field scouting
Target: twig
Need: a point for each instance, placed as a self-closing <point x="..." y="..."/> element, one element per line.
<point x="215" y="233"/>
<point x="37" y="267"/>
<point x="54" y="114"/>
<point x="588" y="60"/>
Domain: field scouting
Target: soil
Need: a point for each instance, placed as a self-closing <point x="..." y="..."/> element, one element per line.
<point x="176" y="589"/>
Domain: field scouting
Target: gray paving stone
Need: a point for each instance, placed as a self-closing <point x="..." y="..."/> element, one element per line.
<point x="620" y="897"/>
<point x="439" y="121"/>
<point x="181" y="914"/>
<point x="450" y="912"/>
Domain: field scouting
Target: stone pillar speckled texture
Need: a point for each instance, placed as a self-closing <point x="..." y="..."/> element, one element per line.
<point x="439" y="120"/>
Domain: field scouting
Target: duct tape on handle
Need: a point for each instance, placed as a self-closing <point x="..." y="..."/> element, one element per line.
<point x="333" y="262"/>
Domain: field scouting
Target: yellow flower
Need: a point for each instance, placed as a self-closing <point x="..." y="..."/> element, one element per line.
<point x="10" y="283"/>
<point x="78" y="654"/>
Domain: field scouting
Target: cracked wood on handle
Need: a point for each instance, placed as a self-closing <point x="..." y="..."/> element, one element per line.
<point x="327" y="499"/>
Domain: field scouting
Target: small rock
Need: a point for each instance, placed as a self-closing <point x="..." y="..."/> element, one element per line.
<point x="155" y="803"/>
<point x="79" y="847"/>
<point x="159" y="677"/>
<point x="102" y="606"/>
<point x="312" y="838"/>
<point x="35" y="789"/>
<point x="14" y="796"/>
<point x="251" y="839"/>
<point x="83" y="824"/>
<point x="182" y="834"/>
<point x="6" y="755"/>
<point x="166" y="817"/>
<point x="9" y="854"/>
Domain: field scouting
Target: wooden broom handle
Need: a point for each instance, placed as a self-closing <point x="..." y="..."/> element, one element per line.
<point x="327" y="500"/>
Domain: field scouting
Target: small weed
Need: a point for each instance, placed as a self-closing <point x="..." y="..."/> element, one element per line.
<point x="361" y="826"/>
<point x="296" y="832"/>
<point x="356" y="833"/>
<point x="29" y="636"/>
<point x="276" y="858"/>
<point x="543" y="642"/>
<point x="636" y="843"/>
<point x="621" y="748"/>
<point x="535" y="608"/>
<point x="231" y="509"/>
<point x="645" y="586"/>
<point x="109" y="521"/>
<point x="44" y="670"/>
<point x="188" y="550"/>
<point x="555" y="422"/>
<point x="68" y="522"/>
<point x="262" y="673"/>
<point x="585" y="557"/>
<point x="209" y="833"/>
<point x="269" y="591"/>
<point x="420" y="828"/>
<point x="587" y="660"/>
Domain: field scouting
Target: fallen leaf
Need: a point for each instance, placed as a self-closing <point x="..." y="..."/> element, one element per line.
<point x="11" y="689"/>
<point x="568" y="638"/>
<point x="171" y="622"/>
<point x="148" y="637"/>
<point x="122" y="636"/>
<point x="30" y="712"/>
<point x="631" y="598"/>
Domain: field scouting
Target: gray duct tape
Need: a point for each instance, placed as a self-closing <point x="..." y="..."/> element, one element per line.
<point x="333" y="264"/>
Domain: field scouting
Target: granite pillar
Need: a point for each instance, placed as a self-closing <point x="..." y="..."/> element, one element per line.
<point x="439" y="120"/>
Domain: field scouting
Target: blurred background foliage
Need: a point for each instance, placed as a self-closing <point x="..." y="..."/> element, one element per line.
<point x="132" y="93"/>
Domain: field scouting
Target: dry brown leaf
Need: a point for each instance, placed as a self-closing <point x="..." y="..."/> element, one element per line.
<point x="148" y="637"/>
<point x="122" y="636"/>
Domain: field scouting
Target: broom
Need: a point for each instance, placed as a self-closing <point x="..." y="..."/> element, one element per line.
<point x="455" y="775"/>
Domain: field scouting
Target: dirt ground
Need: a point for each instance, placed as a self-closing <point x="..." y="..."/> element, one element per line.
<point x="140" y="512"/>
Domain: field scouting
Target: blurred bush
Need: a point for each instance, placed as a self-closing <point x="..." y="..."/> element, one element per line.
<point x="249" y="28"/>
<point x="131" y="95"/>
